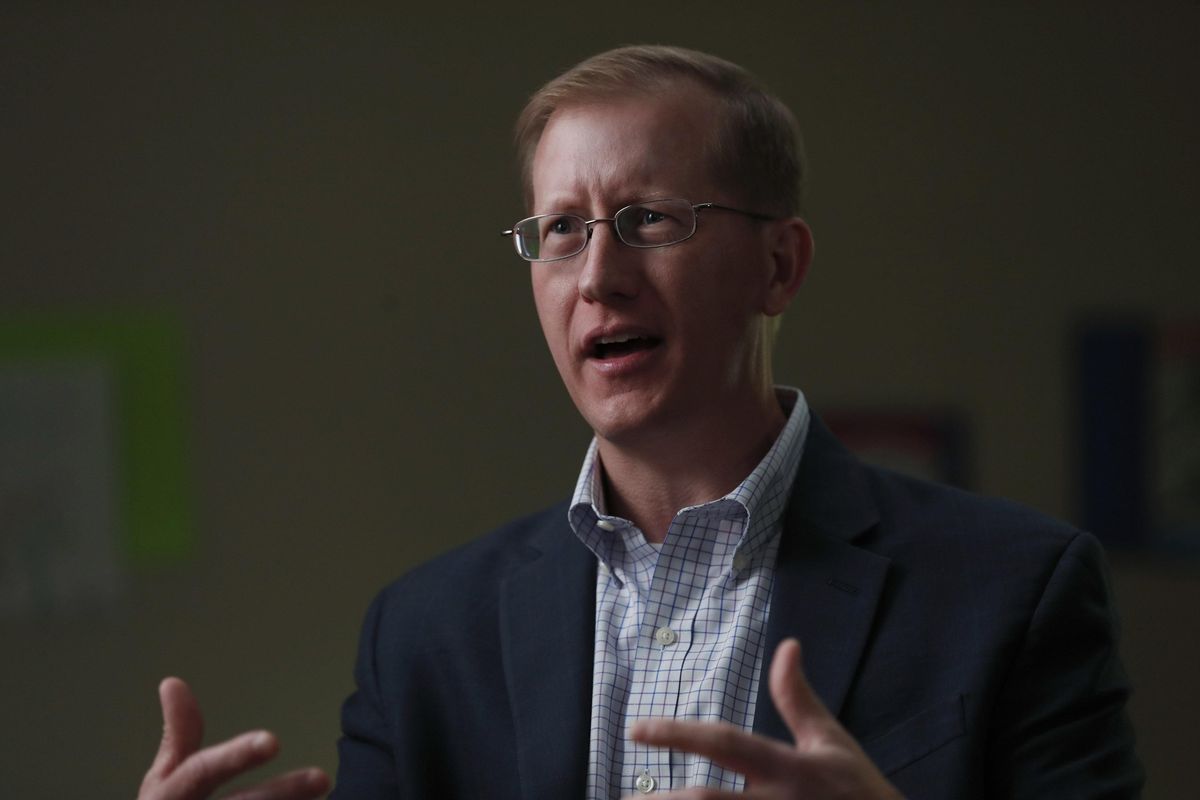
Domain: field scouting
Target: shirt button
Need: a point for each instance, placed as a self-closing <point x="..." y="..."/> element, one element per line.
<point x="664" y="636"/>
<point x="740" y="560"/>
<point x="605" y="525"/>
<point x="645" y="784"/>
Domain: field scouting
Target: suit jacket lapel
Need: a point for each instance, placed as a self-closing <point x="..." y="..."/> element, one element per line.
<point x="547" y="624"/>
<point x="826" y="589"/>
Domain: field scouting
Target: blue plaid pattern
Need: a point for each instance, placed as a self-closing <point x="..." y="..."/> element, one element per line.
<point x="679" y="628"/>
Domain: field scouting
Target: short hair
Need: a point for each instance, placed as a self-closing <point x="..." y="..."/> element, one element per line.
<point x="755" y="147"/>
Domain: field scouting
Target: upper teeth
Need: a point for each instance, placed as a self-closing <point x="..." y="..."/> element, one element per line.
<point x="618" y="339"/>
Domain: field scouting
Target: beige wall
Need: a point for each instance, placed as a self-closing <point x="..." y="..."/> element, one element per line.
<point x="317" y="196"/>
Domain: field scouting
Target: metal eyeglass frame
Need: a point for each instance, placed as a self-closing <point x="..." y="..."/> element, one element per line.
<point x="590" y="224"/>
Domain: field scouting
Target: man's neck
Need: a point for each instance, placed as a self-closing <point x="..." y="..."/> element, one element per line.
<point x="648" y="480"/>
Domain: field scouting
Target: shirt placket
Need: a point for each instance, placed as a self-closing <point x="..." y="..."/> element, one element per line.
<point x="668" y="632"/>
<point x="646" y="770"/>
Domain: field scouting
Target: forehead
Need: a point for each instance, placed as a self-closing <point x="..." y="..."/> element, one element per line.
<point x="627" y="148"/>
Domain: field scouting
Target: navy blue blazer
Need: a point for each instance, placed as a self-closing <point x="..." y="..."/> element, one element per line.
<point x="968" y="644"/>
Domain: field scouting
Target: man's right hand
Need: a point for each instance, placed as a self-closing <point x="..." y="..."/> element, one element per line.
<point x="182" y="771"/>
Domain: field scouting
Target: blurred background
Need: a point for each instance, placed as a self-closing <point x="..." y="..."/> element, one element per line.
<point x="262" y="348"/>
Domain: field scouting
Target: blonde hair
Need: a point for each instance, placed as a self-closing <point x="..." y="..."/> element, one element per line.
<point x="755" y="145"/>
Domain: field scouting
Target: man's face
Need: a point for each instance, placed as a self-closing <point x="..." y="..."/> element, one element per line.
<point x="648" y="341"/>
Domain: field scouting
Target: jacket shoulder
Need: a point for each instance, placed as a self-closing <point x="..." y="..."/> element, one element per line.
<point x="940" y="516"/>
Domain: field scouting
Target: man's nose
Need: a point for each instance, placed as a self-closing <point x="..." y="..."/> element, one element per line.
<point x="611" y="268"/>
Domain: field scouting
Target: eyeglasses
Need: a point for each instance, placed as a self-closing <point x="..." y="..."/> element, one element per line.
<point x="651" y="223"/>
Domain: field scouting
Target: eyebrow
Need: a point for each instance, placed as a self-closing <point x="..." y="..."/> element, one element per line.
<point x="626" y="199"/>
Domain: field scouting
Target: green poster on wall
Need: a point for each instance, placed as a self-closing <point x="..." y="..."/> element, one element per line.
<point x="93" y="444"/>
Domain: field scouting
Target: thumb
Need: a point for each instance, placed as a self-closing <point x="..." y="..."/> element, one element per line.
<point x="183" y="726"/>
<point x="800" y="708"/>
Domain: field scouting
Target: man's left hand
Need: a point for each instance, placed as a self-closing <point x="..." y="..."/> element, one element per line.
<point x="824" y="763"/>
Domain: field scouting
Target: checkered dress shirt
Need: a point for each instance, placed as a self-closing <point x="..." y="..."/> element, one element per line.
<point x="679" y="627"/>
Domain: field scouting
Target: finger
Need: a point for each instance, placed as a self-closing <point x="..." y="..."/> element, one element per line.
<point x="756" y="757"/>
<point x="802" y="711"/>
<point x="201" y="773"/>
<point x="302" y="784"/>
<point x="183" y="727"/>
<point x="701" y="793"/>
<point x="694" y="794"/>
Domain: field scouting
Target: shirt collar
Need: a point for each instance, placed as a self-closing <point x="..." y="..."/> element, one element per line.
<point x="760" y="498"/>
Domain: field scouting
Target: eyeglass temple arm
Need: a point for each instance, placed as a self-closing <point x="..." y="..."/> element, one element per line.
<point x="751" y="214"/>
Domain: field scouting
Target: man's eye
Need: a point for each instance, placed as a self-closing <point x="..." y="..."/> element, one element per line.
<point x="647" y="216"/>
<point x="561" y="226"/>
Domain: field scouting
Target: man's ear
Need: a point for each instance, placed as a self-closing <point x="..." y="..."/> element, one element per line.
<point x="791" y="252"/>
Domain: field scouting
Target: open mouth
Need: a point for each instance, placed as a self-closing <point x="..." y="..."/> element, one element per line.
<point x="616" y="346"/>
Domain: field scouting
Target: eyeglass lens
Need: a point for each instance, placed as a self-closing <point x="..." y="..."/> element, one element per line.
<point x="654" y="223"/>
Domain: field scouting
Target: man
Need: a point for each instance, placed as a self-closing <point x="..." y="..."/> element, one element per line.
<point x="646" y="636"/>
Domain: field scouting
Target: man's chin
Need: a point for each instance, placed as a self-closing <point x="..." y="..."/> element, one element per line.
<point x="628" y="421"/>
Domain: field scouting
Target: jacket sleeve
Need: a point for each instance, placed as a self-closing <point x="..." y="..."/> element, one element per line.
<point x="366" y="767"/>
<point x="1061" y="729"/>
